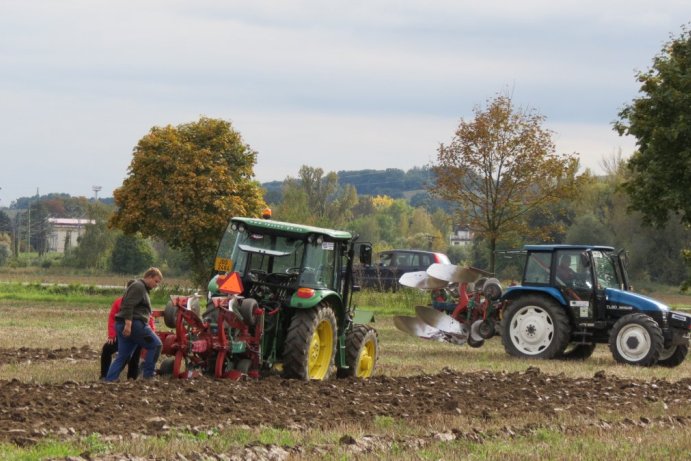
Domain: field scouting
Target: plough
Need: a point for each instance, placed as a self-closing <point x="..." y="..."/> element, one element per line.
<point x="224" y="341"/>
<point x="465" y="305"/>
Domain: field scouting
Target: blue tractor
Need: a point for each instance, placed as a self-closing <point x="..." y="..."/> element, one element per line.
<point x="573" y="297"/>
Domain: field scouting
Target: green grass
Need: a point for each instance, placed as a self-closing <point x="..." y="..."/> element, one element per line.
<point x="42" y="450"/>
<point x="77" y="294"/>
<point x="402" y="302"/>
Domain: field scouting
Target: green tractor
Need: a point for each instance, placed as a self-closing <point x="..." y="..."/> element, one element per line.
<point x="280" y="299"/>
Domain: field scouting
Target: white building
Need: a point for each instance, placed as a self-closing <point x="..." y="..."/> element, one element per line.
<point x="462" y="235"/>
<point x="64" y="233"/>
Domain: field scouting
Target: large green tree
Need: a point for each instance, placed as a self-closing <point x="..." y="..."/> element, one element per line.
<point x="5" y="222"/>
<point x="184" y="184"/>
<point x="660" y="120"/>
<point x="602" y="216"/>
<point x="97" y="241"/>
<point x="500" y="168"/>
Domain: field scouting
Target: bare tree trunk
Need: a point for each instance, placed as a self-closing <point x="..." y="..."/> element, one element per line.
<point x="492" y="255"/>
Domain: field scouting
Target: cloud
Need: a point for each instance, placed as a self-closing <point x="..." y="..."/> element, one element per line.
<point x="340" y="85"/>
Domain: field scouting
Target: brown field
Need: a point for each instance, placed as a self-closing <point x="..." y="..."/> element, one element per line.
<point x="427" y="401"/>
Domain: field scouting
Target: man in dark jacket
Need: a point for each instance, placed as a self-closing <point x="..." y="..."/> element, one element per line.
<point x="132" y="326"/>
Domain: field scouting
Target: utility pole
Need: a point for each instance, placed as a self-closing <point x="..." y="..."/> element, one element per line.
<point x="28" y="228"/>
<point x="28" y="231"/>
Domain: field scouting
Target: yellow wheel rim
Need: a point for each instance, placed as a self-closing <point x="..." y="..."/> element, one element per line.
<point x="321" y="348"/>
<point x="365" y="363"/>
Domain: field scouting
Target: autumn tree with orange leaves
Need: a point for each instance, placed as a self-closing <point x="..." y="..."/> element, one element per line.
<point x="184" y="184"/>
<point x="500" y="168"/>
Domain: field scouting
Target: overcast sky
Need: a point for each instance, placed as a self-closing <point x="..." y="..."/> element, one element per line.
<point x="341" y="85"/>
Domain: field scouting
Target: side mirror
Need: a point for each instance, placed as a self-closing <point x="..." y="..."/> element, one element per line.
<point x="366" y="254"/>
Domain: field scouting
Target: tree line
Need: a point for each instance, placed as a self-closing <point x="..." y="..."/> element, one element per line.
<point x="599" y="214"/>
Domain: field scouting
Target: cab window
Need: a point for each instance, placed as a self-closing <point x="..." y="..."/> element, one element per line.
<point x="537" y="268"/>
<point x="605" y="268"/>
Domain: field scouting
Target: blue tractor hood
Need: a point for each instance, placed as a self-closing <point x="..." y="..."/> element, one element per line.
<point x="635" y="300"/>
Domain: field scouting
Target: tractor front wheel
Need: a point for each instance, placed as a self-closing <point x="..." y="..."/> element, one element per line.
<point x="535" y="326"/>
<point x="310" y="345"/>
<point x="362" y="352"/>
<point x="636" y="339"/>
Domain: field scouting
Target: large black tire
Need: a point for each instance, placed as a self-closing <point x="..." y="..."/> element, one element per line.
<point x="166" y="367"/>
<point x="310" y="346"/>
<point x="577" y="352"/>
<point x="536" y="327"/>
<point x="170" y="315"/>
<point x="246" y="310"/>
<point x="636" y="339"/>
<point x="362" y="352"/>
<point x="673" y="356"/>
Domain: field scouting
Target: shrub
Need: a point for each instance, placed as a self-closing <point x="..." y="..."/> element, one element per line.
<point x="131" y="255"/>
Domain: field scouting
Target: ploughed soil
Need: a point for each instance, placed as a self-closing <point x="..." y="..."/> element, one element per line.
<point x="31" y="411"/>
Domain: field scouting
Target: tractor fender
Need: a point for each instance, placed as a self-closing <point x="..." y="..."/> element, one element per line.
<point x="332" y="298"/>
<point x="512" y="293"/>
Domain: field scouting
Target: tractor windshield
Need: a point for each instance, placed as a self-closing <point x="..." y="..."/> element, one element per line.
<point x="267" y="253"/>
<point x="606" y="270"/>
<point x="244" y="251"/>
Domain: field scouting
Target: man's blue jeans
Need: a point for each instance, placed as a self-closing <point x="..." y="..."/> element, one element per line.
<point x="140" y="335"/>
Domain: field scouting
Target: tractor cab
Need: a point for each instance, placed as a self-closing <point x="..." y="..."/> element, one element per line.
<point x="274" y="254"/>
<point x="582" y="277"/>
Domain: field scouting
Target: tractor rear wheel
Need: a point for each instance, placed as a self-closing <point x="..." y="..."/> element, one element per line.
<point x="673" y="356"/>
<point x="535" y="326"/>
<point x="636" y="339"/>
<point x="310" y="345"/>
<point x="362" y="352"/>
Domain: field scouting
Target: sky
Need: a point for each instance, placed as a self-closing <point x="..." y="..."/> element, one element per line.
<point x="339" y="85"/>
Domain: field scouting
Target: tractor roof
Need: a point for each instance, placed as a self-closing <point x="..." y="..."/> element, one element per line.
<point x="567" y="247"/>
<point x="291" y="228"/>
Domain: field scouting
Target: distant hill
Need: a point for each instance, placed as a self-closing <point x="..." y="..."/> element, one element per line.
<point x="411" y="185"/>
<point x="23" y="203"/>
<point x="392" y="182"/>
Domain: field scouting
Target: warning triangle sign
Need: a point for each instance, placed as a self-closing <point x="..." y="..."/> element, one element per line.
<point x="231" y="284"/>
